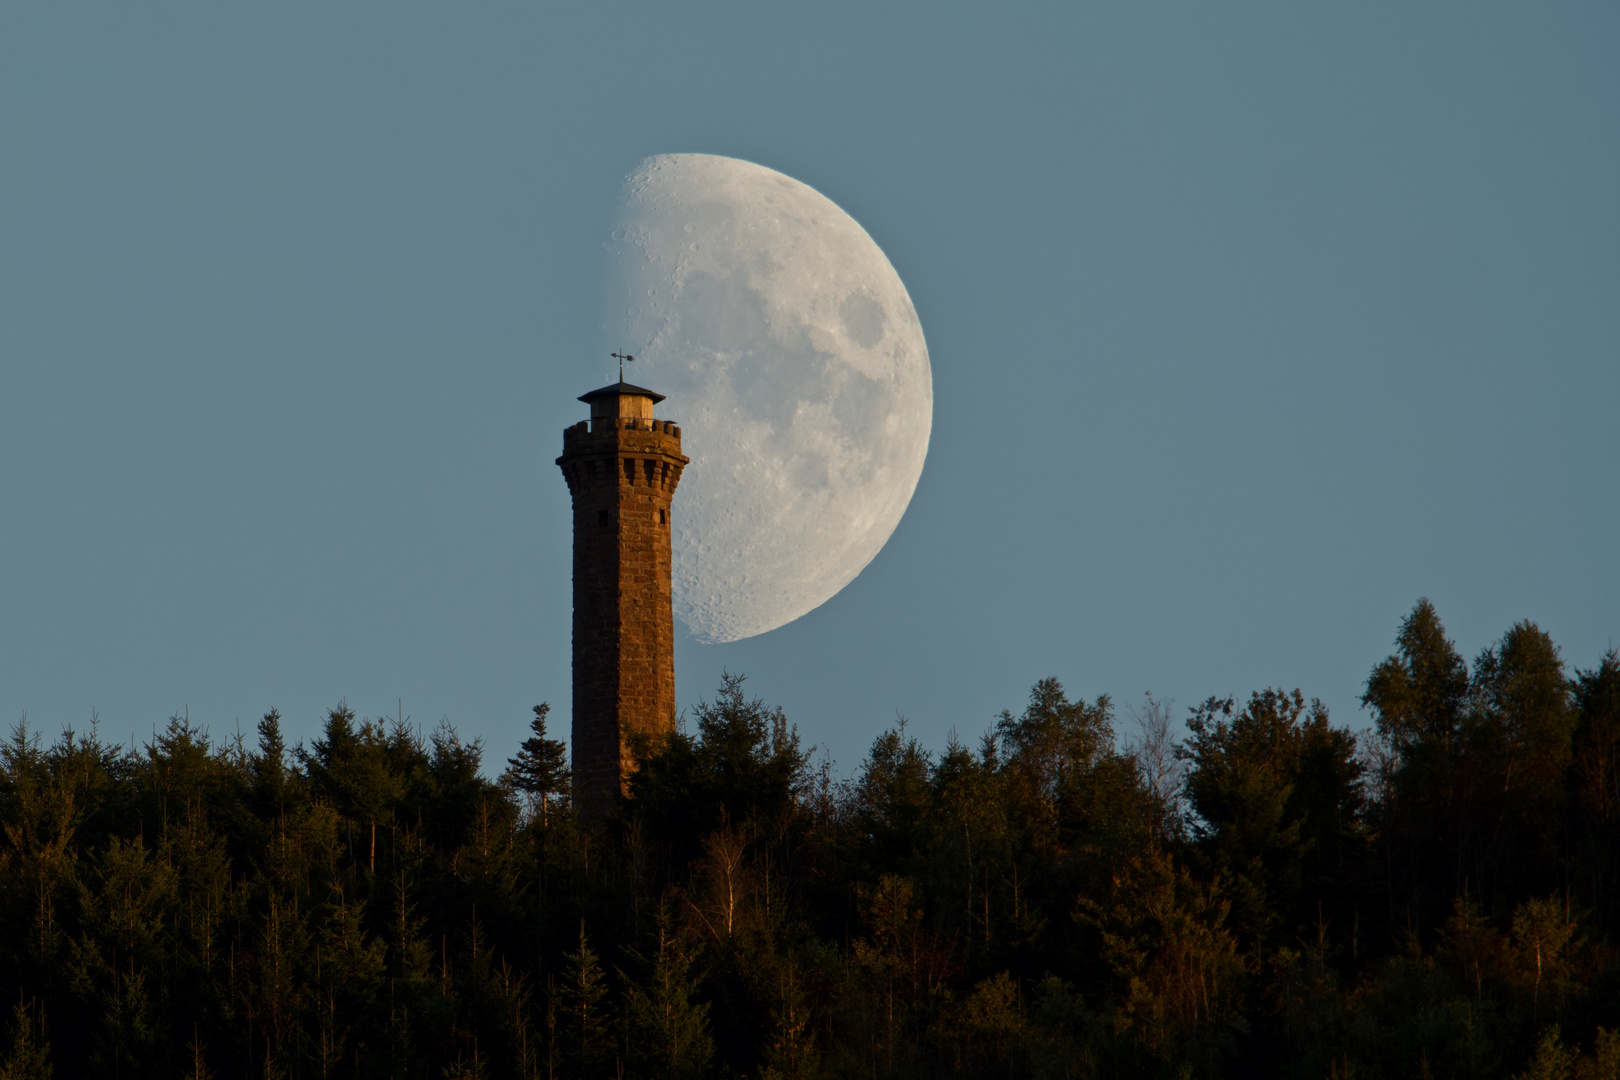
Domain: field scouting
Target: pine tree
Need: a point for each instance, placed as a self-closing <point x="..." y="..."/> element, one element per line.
<point x="669" y="1033"/>
<point x="1278" y="797"/>
<point x="29" y="1057"/>
<point x="584" y="1026"/>
<point x="540" y="769"/>
<point x="791" y="1054"/>
<point x="1552" y="1059"/>
<point x="351" y="768"/>
<point x="1522" y="726"/>
<point x="744" y="765"/>
<point x="1419" y="697"/>
<point x="270" y="776"/>
<point x="1468" y="941"/>
<point x="1596" y="784"/>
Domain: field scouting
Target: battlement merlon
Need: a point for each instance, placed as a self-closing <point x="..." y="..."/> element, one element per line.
<point x="622" y="458"/>
<point x="605" y="434"/>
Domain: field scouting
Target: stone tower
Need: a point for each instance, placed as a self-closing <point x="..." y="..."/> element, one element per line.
<point x="622" y="467"/>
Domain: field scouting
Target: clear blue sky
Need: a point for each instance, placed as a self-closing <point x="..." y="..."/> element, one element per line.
<point x="1250" y="325"/>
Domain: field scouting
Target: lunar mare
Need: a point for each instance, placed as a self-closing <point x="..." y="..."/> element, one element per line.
<point x="793" y="359"/>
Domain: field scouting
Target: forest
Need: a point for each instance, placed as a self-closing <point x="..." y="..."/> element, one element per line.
<point x="1089" y="889"/>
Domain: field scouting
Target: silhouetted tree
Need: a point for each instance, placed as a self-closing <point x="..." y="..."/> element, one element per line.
<point x="1278" y="803"/>
<point x="1435" y="897"/>
<point x="540" y="769"/>
<point x="743" y="765"/>
<point x="1419" y="699"/>
<point x="1596" y="783"/>
<point x="1521" y="729"/>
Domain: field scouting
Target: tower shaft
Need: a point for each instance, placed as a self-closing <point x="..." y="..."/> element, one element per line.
<point x="622" y="467"/>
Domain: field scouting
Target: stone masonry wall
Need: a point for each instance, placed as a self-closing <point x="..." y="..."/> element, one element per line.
<point x="622" y="474"/>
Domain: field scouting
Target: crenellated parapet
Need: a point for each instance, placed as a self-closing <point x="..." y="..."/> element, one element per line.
<point x="607" y="425"/>
<point x="637" y="453"/>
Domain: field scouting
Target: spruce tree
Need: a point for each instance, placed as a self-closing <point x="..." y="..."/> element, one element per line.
<point x="669" y="1032"/>
<point x="1596" y="786"/>
<point x="583" y="1020"/>
<point x="540" y="769"/>
<point x="29" y="1057"/>
<point x="270" y="779"/>
<point x="1419" y="698"/>
<point x="1522" y="726"/>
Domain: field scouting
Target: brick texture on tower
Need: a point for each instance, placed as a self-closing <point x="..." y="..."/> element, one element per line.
<point x="622" y="466"/>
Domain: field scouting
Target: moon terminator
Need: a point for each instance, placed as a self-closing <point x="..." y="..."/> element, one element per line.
<point x="792" y="353"/>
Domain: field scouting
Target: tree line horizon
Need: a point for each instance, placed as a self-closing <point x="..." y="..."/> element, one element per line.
<point x="1270" y="895"/>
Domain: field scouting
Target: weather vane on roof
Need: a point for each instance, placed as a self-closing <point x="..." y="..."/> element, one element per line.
<point x="621" y="358"/>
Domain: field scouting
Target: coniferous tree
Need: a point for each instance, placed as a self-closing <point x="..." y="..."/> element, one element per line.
<point x="349" y="766"/>
<point x="540" y="769"/>
<point x="29" y="1055"/>
<point x="668" y="1030"/>
<point x="583" y="1023"/>
<point x="1277" y="795"/>
<point x="1041" y="904"/>
<point x="791" y="1054"/>
<point x="892" y="797"/>
<point x="1595" y="779"/>
<point x="270" y="780"/>
<point x="1177" y="975"/>
<point x="1521" y="729"/>
<point x="1419" y="699"/>
<point x="743" y="765"/>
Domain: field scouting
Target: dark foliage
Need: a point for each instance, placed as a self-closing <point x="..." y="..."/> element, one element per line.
<point x="540" y="771"/>
<point x="1276" y="897"/>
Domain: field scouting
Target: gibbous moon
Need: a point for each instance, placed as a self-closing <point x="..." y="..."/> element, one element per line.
<point x="795" y="364"/>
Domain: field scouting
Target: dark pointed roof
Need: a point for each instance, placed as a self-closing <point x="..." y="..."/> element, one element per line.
<point x="621" y="389"/>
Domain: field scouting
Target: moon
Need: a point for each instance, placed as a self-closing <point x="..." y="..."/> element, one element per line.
<point x="793" y="360"/>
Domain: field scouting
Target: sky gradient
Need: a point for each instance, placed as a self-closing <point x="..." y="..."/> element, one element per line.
<point x="1248" y="328"/>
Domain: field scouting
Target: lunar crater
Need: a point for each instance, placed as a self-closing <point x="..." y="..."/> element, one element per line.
<point x="786" y="341"/>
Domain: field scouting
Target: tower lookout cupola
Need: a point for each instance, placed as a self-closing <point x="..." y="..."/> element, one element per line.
<point x="622" y="466"/>
<point x="622" y="399"/>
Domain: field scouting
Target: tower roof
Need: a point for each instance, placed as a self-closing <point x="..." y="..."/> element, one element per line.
<point x="621" y="389"/>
